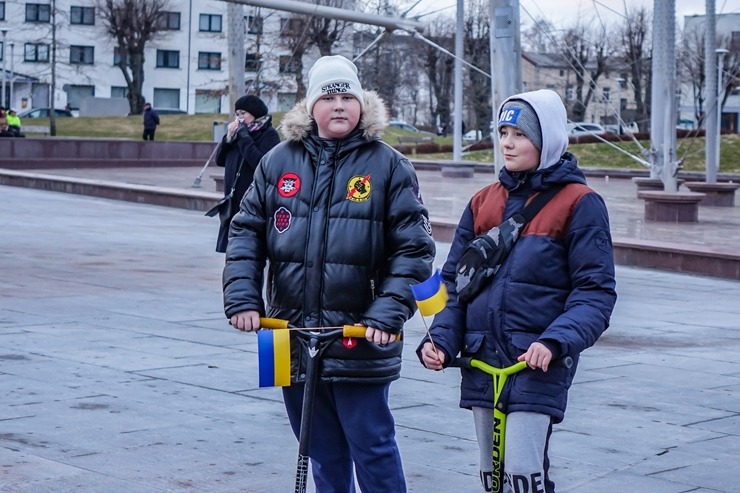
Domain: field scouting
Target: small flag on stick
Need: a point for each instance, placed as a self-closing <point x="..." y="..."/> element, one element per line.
<point x="430" y="295"/>
<point x="273" y="349"/>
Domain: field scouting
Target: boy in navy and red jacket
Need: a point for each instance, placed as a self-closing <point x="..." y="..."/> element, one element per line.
<point x="552" y="296"/>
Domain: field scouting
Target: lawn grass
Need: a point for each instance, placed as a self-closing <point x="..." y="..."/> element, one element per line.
<point x="599" y="155"/>
<point x="200" y="128"/>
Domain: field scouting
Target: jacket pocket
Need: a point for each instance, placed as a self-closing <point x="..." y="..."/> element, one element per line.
<point x="473" y="343"/>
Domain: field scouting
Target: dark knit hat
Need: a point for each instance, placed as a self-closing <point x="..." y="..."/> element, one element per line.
<point x="252" y="105"/>
<point x="520" y="114"/>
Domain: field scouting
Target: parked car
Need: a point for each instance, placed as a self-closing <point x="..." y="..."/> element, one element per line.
<point x="402" y="125"/>
<point x="472" y="136"/>
<point x="631" y="128"/>
<point x="585" y="128"/>
<point x="44" y="113"/>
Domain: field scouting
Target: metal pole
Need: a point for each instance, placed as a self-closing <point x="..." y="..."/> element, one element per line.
<point x="720" y="55"/>
<point x="12" y="74"/>
<point x="506" y="63"/>
<point x="457" y="125"/>
<point x="390" y="23"/>
<point x="235" y="14"/>
<point x="710" y="115"/>
<point x="5" y="33"/>
<point x="619" y="81"/>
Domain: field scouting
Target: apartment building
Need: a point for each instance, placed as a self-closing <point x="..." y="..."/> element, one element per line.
<point x="612" y="95"/>
<point x="186" y="65"/>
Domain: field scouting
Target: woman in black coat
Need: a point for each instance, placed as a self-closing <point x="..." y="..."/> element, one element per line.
<point x="249" y="137"/>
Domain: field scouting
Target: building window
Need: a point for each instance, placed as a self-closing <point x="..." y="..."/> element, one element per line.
<point x="607" y="93"/>
<point x="253" y="24"/>
<point x="210" y="23"/>
<point x="292" y="26"/>
<point x="82" y="15"/>
<point x="76" y="93"/>
<point x="2" y="51"/>
<point x="35" y="52"/>
<point x="81" y="55"/>
<point x="168" y="59"/>
<point x="119" y="92"/>
<point x="2" y="11"/>
<point x="37" y="12"/>
<point x="251" y="62"/>
<point x="570" y="94"/>
<point x="166" y="98"/>
<point x="169" y="21"/>
<point x="118" y="54"/>
<point x="209" y="60"/>
<point x="289" y="65"/>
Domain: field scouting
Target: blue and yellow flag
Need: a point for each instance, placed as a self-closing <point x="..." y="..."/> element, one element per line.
<point x="273" y="349"/>
<point x="430" y="295"/>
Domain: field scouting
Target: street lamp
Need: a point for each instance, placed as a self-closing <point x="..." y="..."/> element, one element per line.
<point x="619" y="81"/>
<point x="5" y="33"/>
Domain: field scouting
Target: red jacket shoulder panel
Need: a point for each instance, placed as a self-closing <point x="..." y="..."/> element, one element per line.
<point x="487" y="206"/>
<point x="553" y="219"/>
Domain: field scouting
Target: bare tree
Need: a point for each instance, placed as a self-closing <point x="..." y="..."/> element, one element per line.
<point x="439" y="68"/>
<point x="538" y="36"/>
<point x="301" y="33"/>
<point x="132" y="24"/>
<point x="692" y="68"/>
<point x="588" y="54"/>
<point x="637" y="53"/>
<point x="477" y="29"/>
<point x="323" y="32"/>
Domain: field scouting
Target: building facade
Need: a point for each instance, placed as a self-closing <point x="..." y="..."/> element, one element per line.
<point x="68" y="55"/>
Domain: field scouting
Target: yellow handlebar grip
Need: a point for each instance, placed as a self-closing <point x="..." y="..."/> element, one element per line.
<point x="354" y="331"/>
<point x="273" y="323"/>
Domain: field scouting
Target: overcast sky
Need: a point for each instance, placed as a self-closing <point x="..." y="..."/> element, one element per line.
<point x="567" y="11"/>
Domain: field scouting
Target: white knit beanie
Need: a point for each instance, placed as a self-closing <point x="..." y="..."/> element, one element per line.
<point x="332" y="75"/>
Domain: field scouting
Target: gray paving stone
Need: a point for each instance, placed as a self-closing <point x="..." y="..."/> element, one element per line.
<point x="119" y="373"/>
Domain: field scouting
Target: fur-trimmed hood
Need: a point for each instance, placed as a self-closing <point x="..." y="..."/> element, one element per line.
<point x="298" y="123"/>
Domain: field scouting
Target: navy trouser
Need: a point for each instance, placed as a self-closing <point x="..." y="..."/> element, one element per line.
<point x="352" y="423"/>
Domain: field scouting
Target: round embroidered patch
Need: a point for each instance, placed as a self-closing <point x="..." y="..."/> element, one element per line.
<point x="359" y="188"/>
<point x="288" y="185"/>
<point x="603" y="242"/>
<point x="282" y="219"/>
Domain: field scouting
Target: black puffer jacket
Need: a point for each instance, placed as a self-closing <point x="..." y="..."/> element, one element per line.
<point x="345" y="232"/>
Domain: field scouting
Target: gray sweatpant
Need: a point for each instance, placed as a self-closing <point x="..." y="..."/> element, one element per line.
<point x="525" y="452"/>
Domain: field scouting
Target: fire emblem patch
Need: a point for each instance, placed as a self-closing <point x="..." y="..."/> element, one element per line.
<point x="288" y="185"/>
<point x="359" y="188"/>
<point x="282" y="219"/>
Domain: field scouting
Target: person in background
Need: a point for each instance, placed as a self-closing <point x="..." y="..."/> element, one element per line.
<point x="14" y="122"/>
<point x="151" y="120"/>
<point x="551" y="297"/>
<point x="249" y="137"/>
<point x="338" y="216"/>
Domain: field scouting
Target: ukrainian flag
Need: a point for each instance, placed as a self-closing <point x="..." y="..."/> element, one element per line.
<point x="273" y="349"/>
<point x="430" y="295"/>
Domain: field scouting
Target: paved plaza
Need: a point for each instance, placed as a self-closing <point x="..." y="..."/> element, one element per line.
<point x="119" y="373"/>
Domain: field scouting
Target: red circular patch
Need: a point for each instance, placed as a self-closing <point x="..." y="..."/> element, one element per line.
<point x="288" y="185"/>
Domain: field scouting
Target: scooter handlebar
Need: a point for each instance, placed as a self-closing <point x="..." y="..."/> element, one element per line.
<point x="277" y="323"/>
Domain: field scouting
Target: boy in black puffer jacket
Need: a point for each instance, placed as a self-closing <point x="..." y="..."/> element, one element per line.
<point x="338" y="215"/>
